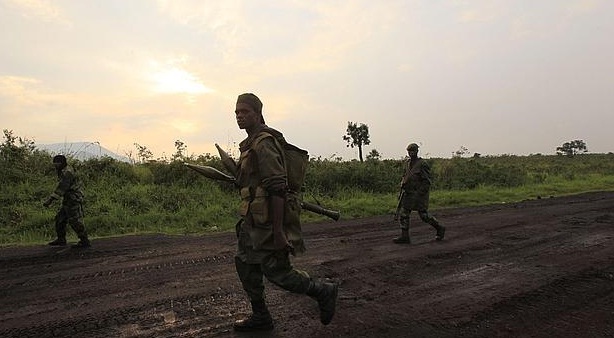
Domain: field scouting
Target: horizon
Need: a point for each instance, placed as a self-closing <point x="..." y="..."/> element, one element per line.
<point x="97" y="150"/>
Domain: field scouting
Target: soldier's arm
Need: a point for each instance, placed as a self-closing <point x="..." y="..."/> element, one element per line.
<point x="405" y="176"/>
<point x="271" y="165"/>
<point x="425" y="172"/>
<point x="273" y="175"/>
<point x="65" y="182"/>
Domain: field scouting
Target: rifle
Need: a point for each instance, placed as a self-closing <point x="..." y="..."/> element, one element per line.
<point x="215" y="174"/>
<point x="399" y="205"/>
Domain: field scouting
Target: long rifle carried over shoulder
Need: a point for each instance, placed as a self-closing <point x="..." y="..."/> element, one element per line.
<point x="215" y="174"/>
<point x="231" y="166"/>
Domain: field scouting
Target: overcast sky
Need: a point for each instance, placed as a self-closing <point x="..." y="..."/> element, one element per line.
<point x="495" y="76"/>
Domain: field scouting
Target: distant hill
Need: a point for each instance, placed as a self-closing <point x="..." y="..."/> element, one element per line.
<point x="81" y="150"/>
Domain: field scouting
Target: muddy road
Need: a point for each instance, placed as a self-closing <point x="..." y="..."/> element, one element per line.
<point x="538" y="268"/>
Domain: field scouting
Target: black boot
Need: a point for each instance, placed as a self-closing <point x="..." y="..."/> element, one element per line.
<point x="82" y="244"/>
<point x="58" y="242"/>
<point x="259" y="320"/>
<point x="326" y="295"/>
<point x="404" y="238"/>
<point x="441" y="231"/>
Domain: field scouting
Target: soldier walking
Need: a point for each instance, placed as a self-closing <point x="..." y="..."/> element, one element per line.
<point x="416" y="184"/>
<point x="70" y="190"/>
<point x="269" y="230"/>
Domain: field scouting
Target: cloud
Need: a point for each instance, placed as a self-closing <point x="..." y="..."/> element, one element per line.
<point x="42" y="10"/>
<point x="475" y="12"/>
<point x="583" y="6"/>
<point x="272" y="37"/>
<point x="23" y="93"/>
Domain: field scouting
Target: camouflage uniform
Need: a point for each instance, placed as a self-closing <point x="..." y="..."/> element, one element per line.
<point x="265" y="201"/>
<point x="70" y="190"/>
<point x="261" y="170"/>
<point x="416" y="184"/>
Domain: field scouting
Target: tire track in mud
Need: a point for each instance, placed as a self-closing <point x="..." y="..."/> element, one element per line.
<point x="88" y="323"/>
<point x="556" y="307"/>
<point x="26" y="281"/>
<point x="157" y="313"/>
<point x="134" y="270"/>
<point x="51" y="255"/>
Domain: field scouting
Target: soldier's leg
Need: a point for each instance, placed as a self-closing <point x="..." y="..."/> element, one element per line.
<point x="404" y="223"/>
<point x="61" y="219"/>
<point x="278" y="269"/>
<point x="75" y="219"/>
<point x="252" y="282"/>
<point x="428" y="218"/>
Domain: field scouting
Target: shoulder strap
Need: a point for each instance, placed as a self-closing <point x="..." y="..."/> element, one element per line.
<point x="263" y="135"/>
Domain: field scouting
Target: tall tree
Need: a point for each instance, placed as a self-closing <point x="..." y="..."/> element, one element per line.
<point x="357" y="136"/>
<point x="181" y="147"/>
<point x="143" y="153"/>
<point x="572" y="148"/>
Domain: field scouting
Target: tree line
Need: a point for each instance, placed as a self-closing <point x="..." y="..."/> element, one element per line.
<point x="166" y="196"/>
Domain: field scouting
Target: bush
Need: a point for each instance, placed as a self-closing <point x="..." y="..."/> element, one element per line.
<point x="125" y="198"/>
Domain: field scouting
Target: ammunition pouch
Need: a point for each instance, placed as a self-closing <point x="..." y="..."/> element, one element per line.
<point x="259" y="207"/>
<point x="246" y="198"/>
<point x="255" y="209"/>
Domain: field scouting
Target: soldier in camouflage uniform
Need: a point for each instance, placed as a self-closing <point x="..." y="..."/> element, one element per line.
<point x="70" y="190"/>
<point x="416" y="183"/>
<point x="265" y="237"/>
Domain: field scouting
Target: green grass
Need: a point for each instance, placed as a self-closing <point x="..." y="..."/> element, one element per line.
<point x="553" y="186"/>
<point x="143" y="208"/>
<point x="202" y="214"/>
<point x="188" y="205"/>
<point x="356" y="204"/>
<point x="164" y="197"/>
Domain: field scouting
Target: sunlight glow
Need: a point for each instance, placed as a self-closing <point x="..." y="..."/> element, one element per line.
<point x="177" y="80"/>
<point x="184" y="126"/>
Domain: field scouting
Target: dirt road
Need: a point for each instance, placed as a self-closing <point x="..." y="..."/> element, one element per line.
<point x="539" y="268"/>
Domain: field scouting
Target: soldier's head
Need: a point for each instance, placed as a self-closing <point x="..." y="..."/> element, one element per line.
<point x="412" y="150"/>
<point x="248" y="111"/>
<point x="59" y="161"/>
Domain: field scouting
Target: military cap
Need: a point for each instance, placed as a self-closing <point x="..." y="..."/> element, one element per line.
<point x="252" y="101"/>
<point x="59" y="159"/>
<point x="412" y="146"/>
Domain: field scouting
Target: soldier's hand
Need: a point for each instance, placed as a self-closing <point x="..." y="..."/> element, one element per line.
<point x="281" y="241"/>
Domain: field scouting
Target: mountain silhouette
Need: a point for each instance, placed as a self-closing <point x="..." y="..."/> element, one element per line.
<point x="81" y="150"/>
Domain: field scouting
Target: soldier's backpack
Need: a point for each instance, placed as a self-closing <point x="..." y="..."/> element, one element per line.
<point x="296" y="159"/>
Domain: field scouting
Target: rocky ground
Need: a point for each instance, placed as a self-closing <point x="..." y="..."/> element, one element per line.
<point x="538" y="268"/>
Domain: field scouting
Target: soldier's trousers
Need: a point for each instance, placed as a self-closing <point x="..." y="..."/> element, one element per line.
<point x="71" y="214"/>
<point x="424" y="216"/>
<point x="276" y="267"/>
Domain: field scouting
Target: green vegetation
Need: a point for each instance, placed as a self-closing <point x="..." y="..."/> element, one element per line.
<point x="163" y="196"/>
<point x="357" y="136"/>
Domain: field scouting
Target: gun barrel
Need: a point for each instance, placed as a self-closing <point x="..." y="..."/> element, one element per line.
<point x="399" y="205"/>
<point x="320" y="210"/>
<point x="215" y="174"/>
